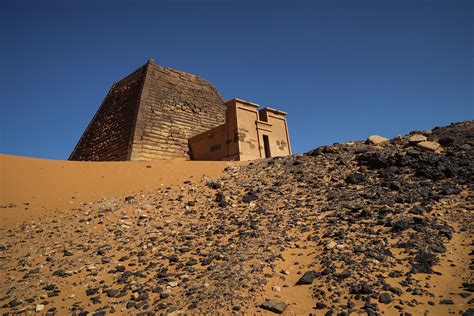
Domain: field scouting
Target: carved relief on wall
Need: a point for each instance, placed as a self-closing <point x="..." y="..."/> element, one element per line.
<point x="281" y="144"/>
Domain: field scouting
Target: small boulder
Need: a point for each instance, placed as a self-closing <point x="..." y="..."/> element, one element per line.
<point x="385" y="298"/>
<point x="376" y="140"/>
<point x="356" y="178"/>
<point x="307" y="278"/>
<point x="417" y="138"/>
<point x="214" y="185"/>
<point x="429" y="146"/>
<point x="468" y="312"/>
<point x="249" y="197"/>
<point x="274" y="306"/>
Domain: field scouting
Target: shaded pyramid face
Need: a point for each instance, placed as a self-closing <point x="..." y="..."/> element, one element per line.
<point x="150" y="114"/>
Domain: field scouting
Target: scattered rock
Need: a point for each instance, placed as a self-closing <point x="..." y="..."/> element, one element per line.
<point x="274" y="306"/>
<point x="417" y="138"/>
<point x="376" y="140"/>
<point x="385" y="298"/>
<point x="307" y="278"/>
<point x="356" y="178"/>
<point x="39" y="307"/>
<point x="428" y="146"/>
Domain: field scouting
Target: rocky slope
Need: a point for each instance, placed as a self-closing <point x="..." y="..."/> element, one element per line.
<point x="376" y="227"/>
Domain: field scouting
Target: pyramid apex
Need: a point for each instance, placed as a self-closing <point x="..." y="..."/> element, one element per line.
<point x="150" y="61"/>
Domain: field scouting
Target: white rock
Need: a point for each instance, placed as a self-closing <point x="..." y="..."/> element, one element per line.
<point x="429" y="146"/>
<point x="39" y="307"/>
<point x="376" y="140"/>
<point x="91" y="267"/>
<point x="276" y="288"/>
<point x="331" y="245"/>
<point x="417" y="138"/>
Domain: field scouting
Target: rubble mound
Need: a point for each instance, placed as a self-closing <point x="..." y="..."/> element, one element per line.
<point x="357" y="227"/>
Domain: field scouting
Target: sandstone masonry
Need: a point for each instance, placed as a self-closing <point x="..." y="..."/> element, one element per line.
<point x="150" y="114"/>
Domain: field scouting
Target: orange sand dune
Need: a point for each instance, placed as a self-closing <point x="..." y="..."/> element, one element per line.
<point x="31" y="186"/>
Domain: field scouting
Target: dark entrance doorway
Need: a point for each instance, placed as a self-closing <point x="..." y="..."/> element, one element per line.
<point x="266" y="145"/>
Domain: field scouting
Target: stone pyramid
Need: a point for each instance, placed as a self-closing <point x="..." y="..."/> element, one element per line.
<point x="150" y="114"/>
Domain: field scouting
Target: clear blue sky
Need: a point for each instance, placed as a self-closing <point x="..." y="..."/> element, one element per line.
<point x="342" y="69"/>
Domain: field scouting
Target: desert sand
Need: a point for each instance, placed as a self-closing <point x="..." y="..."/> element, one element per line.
<point x="353" y="228"/>
<point x="32" y="187"/>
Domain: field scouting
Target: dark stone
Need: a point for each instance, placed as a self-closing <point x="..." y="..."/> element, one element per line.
<point x="446" y="141"/>
<point x="368" y="306"/>
<point x="418" y="220"/>
<point x="360" y="289"/>
<point x="468" y="312"/>
<point x="468" y="286"/>
<point x="320" y="305"/>
<point x="214" y="185"/>
<point x="356" y="178"/>
<point x="249" y="197"/>
<point x="402" y="224"/>
<point x="173" y="258"/>
<point x="129" y="199"/>
<point x="14" y="303"/>
<point x="49" y="287"/>
<point x="394" y="185"/>
<point x="438" y="248"/>
<point x="447" y="302"/>
<point x="449" y="191"/>
<point x="162" y="305"/>
<point x="157" y="289"/>
<point x="423" y="262"/>
<point x="396" y="290"/>
<point x="307" y="278"/>
<point x="418" y="210"/>
<point x="61" y="273"/>
<point x="221" y="199"/>
<point x="274" y="306"/>
<point x="206" y="261"/>
<point x="389" y="173"/>
<point x="90" y="292"/>
<point x="372" y="160"/>
<point x="343" y="275"/>
<point x="446" y="232"/>
<point x="96" y="300"/>
<point x="385" y="298"/>
<point x="112" y="292"/>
